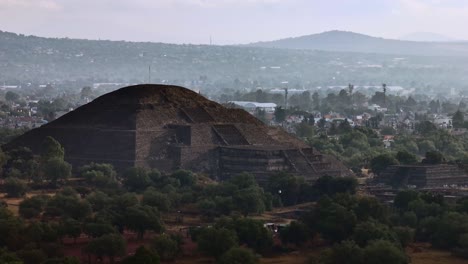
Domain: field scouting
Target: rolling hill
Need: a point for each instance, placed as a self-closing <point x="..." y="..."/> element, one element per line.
<point x="354" y="42"/>
<point x="428" y="37"/>
<point x="77" y="62"/>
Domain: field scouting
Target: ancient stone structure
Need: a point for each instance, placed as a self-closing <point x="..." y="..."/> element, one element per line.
<point x="170" y="127"/>
<point x="424" y="175"/>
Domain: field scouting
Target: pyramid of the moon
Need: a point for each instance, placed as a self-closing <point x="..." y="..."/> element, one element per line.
<point x="170" y="127"/>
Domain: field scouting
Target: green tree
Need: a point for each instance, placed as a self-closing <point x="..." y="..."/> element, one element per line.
<point x="51" y="149"/>
<point x="345" y="252"/>
<point x="250" y="200"/>
<point x="98" y="179"/>
<point x="32" y="207"/>
<point x="71" y="228"/>
<point x="12" y="96"/>
<point x="185" y="177"/>
<point x="370" y="207"/>
<point x="142" y="256"/>
<point x="295" y="233"/>
<point x="344" y="127"/>
<point x="136" y="179"/>
<point x="406" y="158"/>
<point x="249" y="232"/>
<point x="156" y="199"/>
<point x="15" y="187"/>
<point x="458" y="119"/>
<point x="448" y="229"/>
<point x="207" y="208"/>
<point x="384" y="252"/>
<point x="434" y="157"/>
<point x="167" y="247"/>
<point x="118" y="208"/>
<point x="143" y="218"/>
<point x="67" y="206"/>
<point x="333" y="221"/>
<point x="372" y="230"/>
<point x="56" y="170"/>
<point x="425" y="128"/>
<point x="105" y="168"/>
<point x="243" y="180"/>
<point x="99" y="200"/>
<point x="280" y="114"/>
<point x="381" y="162"/>
<point x="98" y="229"/>
<point x="9" y="257"/>
<point x="404" y="198"/>
<point x="215" y="242"/>
<point x="316" y="100"/>
<point x="405" y="235"/>
<point x="409" y="219"/>
<point x="304" y="130"/>
<point x="238" y="255"/>
<point x="111" y="246"/>
<point x="286" y="186"/>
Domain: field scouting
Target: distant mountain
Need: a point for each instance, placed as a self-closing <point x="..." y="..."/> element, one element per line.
<point x="76" y="63"/>
<point x="428" y="37"/>
<point x="354" y="42"/>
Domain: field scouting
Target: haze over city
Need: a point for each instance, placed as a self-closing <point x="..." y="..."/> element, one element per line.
<point x="233" y="131"/>
<point x="230" y="21"/>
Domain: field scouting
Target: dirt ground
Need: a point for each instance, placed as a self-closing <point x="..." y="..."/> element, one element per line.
<point x="428" y="255"/>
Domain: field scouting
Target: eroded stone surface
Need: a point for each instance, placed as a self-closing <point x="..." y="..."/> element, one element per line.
<point x="170" y="127"/>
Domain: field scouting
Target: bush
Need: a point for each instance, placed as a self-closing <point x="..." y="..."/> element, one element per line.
<point x="15" y="187"/>
<point x="237" y="255"/>
<point x="295" y="233"/>
<point x="215" y="242"/>
<point x="405" y="235"/>
<point x="32" y="207"/>
<point x="157" y="199"/>
<point x="370" y="230"/>
<point x="186" y="178"/>
<point x="345" y="252"/>
<point x="167" y="247"/>
<point x="142" y="256"/>
<point x="384" y="252"/>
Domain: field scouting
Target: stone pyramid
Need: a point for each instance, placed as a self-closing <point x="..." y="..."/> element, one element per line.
<point x="171" y="127"/>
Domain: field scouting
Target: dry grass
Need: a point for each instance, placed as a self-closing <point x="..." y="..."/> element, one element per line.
<point x="293" y="257"/>
<point x="428" y="255"/>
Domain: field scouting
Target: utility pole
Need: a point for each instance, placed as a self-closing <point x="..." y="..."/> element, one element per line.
<point x="285" y="98"/>
<point x="384" y="87"/>
<point x="285" y="83"/>
<point x="149" y="74"/>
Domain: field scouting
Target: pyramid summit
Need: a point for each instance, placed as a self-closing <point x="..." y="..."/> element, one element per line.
<point x="171" y="127"/>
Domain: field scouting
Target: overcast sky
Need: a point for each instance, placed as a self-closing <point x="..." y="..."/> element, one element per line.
<point x="230" y="21"/>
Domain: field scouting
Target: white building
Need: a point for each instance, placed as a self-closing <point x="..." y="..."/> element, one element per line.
<point x="251" y="106"/>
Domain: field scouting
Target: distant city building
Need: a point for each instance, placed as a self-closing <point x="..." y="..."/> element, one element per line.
<point x="290" y="91"/>
<point x="376" y="107"/>
<point x="252" y="106"/>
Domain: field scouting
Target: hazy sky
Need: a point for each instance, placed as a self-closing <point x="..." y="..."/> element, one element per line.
<point x="229" y="21"/>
